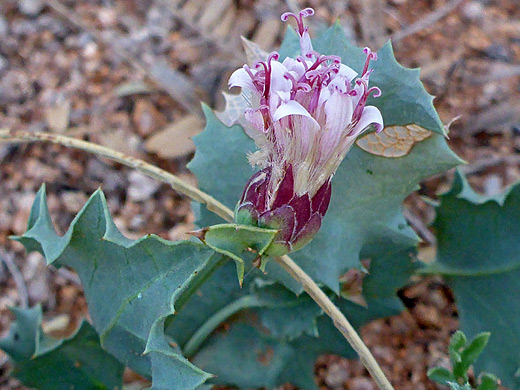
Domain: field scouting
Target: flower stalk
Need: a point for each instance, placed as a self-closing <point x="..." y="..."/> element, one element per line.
<point x="305" y="114"/>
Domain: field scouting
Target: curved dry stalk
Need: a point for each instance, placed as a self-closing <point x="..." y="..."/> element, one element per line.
<point x="339" y="320"/>
<point x="142" y="166"/>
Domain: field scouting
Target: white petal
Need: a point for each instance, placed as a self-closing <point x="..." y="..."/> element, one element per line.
<point x="292" y="107"/>
<point x="370" y="115"/>
<point x="347" y="72"/>
<point x="285" y="96"/>
<point x="295" y="68"/>
<point x="278" y="81"/>
<point x="339" y="110"/>
<point x="305" y="43"/>
<point x="240" y="78"/>
<point x="324" y="96"/>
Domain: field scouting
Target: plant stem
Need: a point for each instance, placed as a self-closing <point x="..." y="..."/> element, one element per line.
<point x="339" y="320"/>
<point x="142" y="166"/>
<point x="195" y="341"/>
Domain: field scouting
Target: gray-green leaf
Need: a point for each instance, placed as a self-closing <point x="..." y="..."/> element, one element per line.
<point x="479" y="255"/>
<point x="130" y="286"/>
<point x="46" y="363"/>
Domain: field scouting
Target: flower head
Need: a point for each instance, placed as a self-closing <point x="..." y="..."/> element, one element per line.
<point x="305" y="114"/>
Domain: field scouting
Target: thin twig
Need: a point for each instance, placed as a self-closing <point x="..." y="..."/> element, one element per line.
<point x="373" y="23"/>
<point x="68" y="275"/>
<point x="419" y="226"/>
<point x="17" y="277"/>
<point x="339" y="320"/>
<point x="67" y="14"/>
<point x="427" y="21"/>
<point x="496" y="73"/>
<point x="489" y="162"/>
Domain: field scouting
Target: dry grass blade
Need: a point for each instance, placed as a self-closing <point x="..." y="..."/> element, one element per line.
<point x="175" y="139"/>
<point x="23" y="296"/>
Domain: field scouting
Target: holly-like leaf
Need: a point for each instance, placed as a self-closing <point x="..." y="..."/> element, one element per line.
<point x="131" y="286"/>
<point x="286" y="316"/>
<point x="46" y="363"/>
<point x="364" y="216"/>
<point x="479" y="255"/>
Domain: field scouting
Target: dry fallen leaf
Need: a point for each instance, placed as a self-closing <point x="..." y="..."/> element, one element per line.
<point x="57" y="117"/>
<point x="253" y="51"/>
<point x="393" y="141"/>
<point x="175" y="139"/>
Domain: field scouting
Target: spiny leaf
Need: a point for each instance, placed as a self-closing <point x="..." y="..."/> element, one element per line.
<point x="46" y="363"/>
<point x="233" y="240"/>
<point x="479" y="255"/>
<point x="130" y="286"/>
<point x="24" y="334"/>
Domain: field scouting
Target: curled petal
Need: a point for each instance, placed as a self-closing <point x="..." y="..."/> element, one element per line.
<point x="291" y="107"/>
<point x="371" y="115"/>
<point x="294" y="67"/>
<point x="305" y="43"/>
<point x="240" y="78"/>
<point x="256" y="120"/>
<point x="279" y="82"/>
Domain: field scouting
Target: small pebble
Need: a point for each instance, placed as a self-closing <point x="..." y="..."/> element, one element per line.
<point x="4" y="26"/>
<point x="497" y="52"/>
<point x="473" y="11"/>
<point x="360" y="384"/>
<point x="3" y="63"/>
<point x="141" y="187"/>
<point x="336" y="375"/>
<point x="30" y="8"/>
<point x="493" y="185"/>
